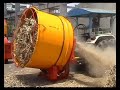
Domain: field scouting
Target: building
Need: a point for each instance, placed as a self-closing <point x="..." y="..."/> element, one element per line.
<point x="104" y="22"/>
<point x="12" y="11"/>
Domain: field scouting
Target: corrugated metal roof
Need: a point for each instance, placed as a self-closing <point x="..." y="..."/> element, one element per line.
<point x="85" y="12"/>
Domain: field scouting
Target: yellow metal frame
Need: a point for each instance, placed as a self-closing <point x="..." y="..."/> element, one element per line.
<point x="54" y="41"/>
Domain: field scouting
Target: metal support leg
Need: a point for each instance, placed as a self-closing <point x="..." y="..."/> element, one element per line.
<point x="53" y="73"/>
<point x="65" y="73"/>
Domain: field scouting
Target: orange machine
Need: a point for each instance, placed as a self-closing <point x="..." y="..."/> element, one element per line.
<point x="5" y="27"/>
<point x="7" y="44"/>
<point x="55" y="44"/>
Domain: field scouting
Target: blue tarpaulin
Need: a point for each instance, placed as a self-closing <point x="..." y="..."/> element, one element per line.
<point x="86" y="12"/>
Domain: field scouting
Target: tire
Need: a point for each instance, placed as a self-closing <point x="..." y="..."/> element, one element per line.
<point x="106" y="43"/>
<point x="44" y="71"/>
<point x="112" y="42"/>
<point x="6" y="61"/>
<point x="80" y="66"/>
<point x="103" y="44"/>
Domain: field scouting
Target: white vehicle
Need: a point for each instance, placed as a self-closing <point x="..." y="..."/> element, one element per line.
<point x="94" y="34"/>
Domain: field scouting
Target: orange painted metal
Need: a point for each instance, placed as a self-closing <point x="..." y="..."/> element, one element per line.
<point x="54" y="47"/>
<point x="7" y="49"/>
<point x="5" y="27"/>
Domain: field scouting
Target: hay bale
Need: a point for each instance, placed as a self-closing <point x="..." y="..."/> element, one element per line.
<point x="25" y="41"/>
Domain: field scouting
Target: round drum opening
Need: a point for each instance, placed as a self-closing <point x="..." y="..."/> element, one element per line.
<point x="25" y="37"/>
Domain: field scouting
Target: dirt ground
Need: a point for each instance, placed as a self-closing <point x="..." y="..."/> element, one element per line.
<point x="28" y="77"/>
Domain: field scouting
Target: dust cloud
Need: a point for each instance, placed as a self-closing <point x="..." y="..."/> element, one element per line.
<point x="100" y="63"/>
<point x="98" y="60"/>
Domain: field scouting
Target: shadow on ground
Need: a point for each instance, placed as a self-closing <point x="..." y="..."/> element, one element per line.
<point x="34" y="80"/>
<point x="88" y="83"/>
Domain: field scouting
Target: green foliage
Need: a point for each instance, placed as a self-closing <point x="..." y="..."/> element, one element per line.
<point x="10" y="28"/>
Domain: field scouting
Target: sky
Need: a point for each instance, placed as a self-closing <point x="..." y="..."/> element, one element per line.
<point x="71" y="4"/>
<point x="68" y="9"/>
